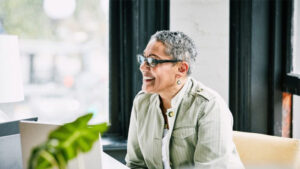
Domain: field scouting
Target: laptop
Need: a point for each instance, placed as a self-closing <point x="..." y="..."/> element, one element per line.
<point x="35" y="133"/>
<point x="10" y="148"/>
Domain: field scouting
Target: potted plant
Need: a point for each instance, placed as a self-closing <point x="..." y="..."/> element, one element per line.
<point x="65" y="143"/>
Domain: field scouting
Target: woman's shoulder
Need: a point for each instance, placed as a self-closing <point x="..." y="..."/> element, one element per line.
<point x="143" y="101"/>
<point x="210" y="99"/>
<point x="142" y="97"/>
<point x="201" y="90"/>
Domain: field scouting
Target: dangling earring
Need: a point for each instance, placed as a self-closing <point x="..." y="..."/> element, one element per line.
<point x="178" y="82"/>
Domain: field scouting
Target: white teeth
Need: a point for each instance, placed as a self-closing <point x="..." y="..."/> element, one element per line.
<point x="148" y="78"/>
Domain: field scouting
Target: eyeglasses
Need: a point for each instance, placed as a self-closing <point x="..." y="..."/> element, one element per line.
<point x="153" y="62"/>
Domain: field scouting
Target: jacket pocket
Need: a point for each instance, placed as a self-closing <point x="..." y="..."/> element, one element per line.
<point x="183" y="132"/>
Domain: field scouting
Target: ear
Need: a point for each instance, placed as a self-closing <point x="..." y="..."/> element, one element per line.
<point x="183" y="68"/>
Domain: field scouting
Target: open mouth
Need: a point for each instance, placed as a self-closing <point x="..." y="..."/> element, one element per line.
<point x="148" y="79"/>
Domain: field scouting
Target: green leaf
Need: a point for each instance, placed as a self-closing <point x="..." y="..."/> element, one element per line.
<point x="66" y="142"/>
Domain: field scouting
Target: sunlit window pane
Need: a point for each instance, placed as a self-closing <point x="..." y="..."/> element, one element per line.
<point x="296" y="66"/>
<point x="64" y="49"/>
<point x="296" y="37"/>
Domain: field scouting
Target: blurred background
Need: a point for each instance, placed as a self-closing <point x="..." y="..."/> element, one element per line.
<point x="64" y="51"/>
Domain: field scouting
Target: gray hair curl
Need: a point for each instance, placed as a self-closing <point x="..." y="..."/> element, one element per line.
<point x="178" y="45"/>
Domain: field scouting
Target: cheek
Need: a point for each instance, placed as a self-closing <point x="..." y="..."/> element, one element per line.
<point x="164" y="78"/>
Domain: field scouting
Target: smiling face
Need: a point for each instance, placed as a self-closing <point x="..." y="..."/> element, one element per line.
<point x="161" y="78"/>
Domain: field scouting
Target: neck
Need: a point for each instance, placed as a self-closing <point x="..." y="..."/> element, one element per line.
<point x="167" y="96"/>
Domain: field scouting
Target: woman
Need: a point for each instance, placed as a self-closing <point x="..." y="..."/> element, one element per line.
<point x="177" y="122"/>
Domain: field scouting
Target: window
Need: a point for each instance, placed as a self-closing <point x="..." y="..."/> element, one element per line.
<point x="64" y="49"/>
<point x="51" y="42"/>
<point x="292" y="74"/>
<point x="49" y="46"/>
<point x="296" y="38"/>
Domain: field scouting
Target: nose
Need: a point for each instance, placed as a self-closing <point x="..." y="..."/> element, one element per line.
<point x="144" y="67"/>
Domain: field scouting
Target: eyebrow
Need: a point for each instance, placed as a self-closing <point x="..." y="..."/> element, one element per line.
<point x="153" y="55"/>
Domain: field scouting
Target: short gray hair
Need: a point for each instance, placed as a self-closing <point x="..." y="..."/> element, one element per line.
<point x="178" y="45"/>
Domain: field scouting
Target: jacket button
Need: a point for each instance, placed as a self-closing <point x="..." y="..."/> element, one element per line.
<point x="171" y="114"/>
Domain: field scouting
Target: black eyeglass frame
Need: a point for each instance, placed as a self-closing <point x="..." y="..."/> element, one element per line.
<point x="153" y="62"/>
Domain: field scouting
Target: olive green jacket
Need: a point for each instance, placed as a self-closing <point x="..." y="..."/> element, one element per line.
<point x="200" y="132"/>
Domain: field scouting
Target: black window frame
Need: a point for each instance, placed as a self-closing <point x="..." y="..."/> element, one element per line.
<point x="131" y="24"/>
<point x="259" y="56"/>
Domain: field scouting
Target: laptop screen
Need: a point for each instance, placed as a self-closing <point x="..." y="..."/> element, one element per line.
<point x="10" y="145"/>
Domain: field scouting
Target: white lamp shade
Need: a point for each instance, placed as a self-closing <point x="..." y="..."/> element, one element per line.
<point x="11" y="84"/>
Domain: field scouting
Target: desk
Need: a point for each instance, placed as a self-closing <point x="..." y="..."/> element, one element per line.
<point x="110" y="163"/>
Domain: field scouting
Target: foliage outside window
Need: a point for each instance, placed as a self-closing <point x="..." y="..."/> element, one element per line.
<point x="64" y="49"/>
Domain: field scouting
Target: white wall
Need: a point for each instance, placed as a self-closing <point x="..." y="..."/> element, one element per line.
<point x="296" y="117"/>
<point x="207" y="23"/>
<point x="296" y="66"/>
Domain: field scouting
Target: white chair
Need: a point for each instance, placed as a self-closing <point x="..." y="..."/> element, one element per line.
<point x="264" y="151"/>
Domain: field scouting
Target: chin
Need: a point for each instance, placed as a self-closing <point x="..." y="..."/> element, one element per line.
<point x="147" y="90"/>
